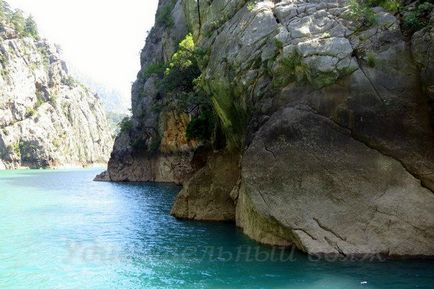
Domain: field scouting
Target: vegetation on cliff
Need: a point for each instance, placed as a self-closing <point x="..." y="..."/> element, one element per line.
<point x="180" y="90"/>
<point x="24" y="27"/>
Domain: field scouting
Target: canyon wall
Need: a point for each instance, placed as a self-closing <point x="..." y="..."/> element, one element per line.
<point x="324" y="122"/>
<point x="47" y="118"/>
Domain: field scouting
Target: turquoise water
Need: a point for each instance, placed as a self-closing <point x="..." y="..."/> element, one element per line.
<point x="58" y="229"/>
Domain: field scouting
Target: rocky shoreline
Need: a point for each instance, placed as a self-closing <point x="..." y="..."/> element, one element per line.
<point x="336" y="153"/>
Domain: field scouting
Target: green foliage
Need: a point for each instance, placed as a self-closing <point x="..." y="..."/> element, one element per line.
<point x="114" y="118"/>
<point x="251" y="6"/>
<point x="181" y="72"/>
<point x="19" y="22"/>
<point x="202" y="126"/>
<point x="292" y="68"/>
<point x="69" y="81"/>
<point x="232" y="115"/>
<point x="27" y="150"/>
<point x="184" y="57"/>
<point x="164" y="16"/>
<point x="45" y="57"/>
<point x="371" y="59"/>
<point x="53" y="99"/>
<point x="31" y="29"/>
<point x="361" y="12"/>
<point x="25" y="27"/>
<point x="154" y="69"/>
<point x="418" y="18"/>
<point x="389" y="5"/>
<point x="15" y="149"/>
<point x="30" y="112"/>
<point x="126" y="125"/>
<point x="278" y="43"/>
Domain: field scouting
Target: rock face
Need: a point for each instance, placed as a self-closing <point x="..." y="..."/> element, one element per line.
<point x="338" y="151"/>
<point x="342" y="197"/>
<point x="154" y="131"/>
<point x="47" y="119"/>
<point x="205" y="196"/>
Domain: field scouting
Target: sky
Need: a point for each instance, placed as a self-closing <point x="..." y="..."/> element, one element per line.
<point x="99" y="38"/>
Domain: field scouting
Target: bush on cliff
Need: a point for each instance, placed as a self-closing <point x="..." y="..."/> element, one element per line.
<point x="31" y="29"/>
<point x="418" y="17"/>
<point x="126" y="124"/>
<point x="24" y="27"/>
<point x="180" y="90"/>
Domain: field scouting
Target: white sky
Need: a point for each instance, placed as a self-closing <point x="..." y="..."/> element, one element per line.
<point x="100" y="38"/>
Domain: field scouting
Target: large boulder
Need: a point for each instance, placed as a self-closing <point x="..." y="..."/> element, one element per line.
<point x="316" y="187"/>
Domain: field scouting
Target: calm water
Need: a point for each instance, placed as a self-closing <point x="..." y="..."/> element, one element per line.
<point x="61" y="230"/>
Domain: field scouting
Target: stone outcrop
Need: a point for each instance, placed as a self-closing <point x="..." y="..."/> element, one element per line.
<point x="47" y="119"/>
<point x="338" y="151"/>
<point x="342" y="197"/>
<point x="155" y="131"/>
<point x="207" y="195"/>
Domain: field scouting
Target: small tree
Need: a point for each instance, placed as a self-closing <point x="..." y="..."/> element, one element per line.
<point x="19" y="22"/>
<point x="31" y="28"/>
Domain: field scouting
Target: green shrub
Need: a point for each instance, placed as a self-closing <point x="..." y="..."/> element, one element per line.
<point x="292" y="68"/>
<point x="371" y="59"/>
<point x="389" y="5"/>
<point x="251" y="6"/>
<point x="154" y="69"/>
<point x="418" y="18"/>
<point x="19" y="22"/>
<point x="31" y="29"/>
<point x="27" y="151"/>
<point x="30" y="112"/>
<point x="126" y="125"/>
<point x="181" y="72"/>
<point x="202" y="126"/>
<point x="15" y="149"/>
<point x="361" y="12"/>
<point x="53" y="99"/>
<point x="69" y="81"/>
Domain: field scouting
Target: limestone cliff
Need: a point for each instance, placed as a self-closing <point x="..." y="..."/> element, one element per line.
<point x="47" y="119"/>
<point x="325" y="108"/>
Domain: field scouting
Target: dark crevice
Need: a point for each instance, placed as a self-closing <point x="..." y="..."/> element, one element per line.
<point x="329" y="230"/>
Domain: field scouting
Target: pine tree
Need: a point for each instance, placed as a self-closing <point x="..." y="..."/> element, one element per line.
<point x="19" y="22"/>
<point x="31" y="29"/>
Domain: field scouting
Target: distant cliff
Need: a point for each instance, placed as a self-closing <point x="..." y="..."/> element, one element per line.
<point x="47" y="118"/>
<point x="308" y="123"/>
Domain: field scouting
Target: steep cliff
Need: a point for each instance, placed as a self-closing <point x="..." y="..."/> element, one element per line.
<point x="47" y="119"/>
<point x="325" y="108"/>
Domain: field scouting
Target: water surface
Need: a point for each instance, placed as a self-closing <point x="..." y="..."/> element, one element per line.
<point x="59" y="229"/>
